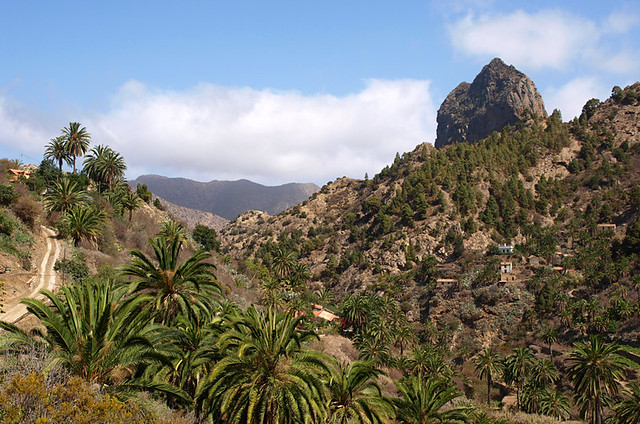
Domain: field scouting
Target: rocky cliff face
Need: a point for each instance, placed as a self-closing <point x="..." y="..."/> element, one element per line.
<point x="500" y="95"/>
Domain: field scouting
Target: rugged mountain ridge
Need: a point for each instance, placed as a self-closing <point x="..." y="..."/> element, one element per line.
<point x="499" y="95"/>
<point x="227" y="199"/>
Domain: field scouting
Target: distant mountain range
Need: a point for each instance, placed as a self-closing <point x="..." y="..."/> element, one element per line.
<point x="227" y="199"/>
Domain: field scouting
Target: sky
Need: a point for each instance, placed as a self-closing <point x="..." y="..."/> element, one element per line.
<point x="286" y="91"/>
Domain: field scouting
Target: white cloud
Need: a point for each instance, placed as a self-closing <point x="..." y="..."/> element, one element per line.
<point x="547" y="39"/>
<point x="571" y="97"/>
<point x="215" y="132"/>
<point x="21" y="132"/>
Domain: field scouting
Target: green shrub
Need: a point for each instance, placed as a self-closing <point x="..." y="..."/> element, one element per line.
<point x="6" y="225"/>
<point x="76" y="270"/>
<point x="7" y="194"/>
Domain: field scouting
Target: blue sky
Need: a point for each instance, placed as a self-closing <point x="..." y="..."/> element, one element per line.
<point x="279" y="91"/>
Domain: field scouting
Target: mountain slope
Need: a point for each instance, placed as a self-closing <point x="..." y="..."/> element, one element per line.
<point x="543" y="186"/>
<point x="227" y="199"/>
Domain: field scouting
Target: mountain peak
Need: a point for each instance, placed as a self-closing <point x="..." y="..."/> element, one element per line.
<point x="499" y="95"/>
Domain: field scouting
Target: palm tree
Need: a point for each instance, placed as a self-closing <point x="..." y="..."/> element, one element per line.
<point x="516" y="369"/>
<point x="76" y="141"/>
<point x="176" y="288"/>
<point x="549" y="335"/>
<point x="404" y="336"/>
<point x="422" y="401"/>
<point x="131" y="202"/>
<point x="596" y="373"/>
<point x="198" y="351"/>
<point x="284" y="262"/>
<point x="83" y="222"/>
<point x="555" y="404"/>
<point x="91" y="332"/>
<point x="628" y="410"/>
<point x="90" y="164"/>
<point x="544" y="372"/>
<point x="63" y="195"/>
<point x="105" y="166"/>
<point x="355" y="395"/>
<point x="488" y="365"/>
<point x="56" y="151"/>
<point x="271" y="377"/>
<point x="172" y="230"/>
<point x="355" y="311"/>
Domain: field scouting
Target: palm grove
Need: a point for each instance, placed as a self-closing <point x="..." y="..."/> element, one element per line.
<point x="164" y="324"/>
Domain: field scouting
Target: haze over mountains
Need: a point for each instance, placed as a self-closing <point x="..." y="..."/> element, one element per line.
<point x="227" y="199"/>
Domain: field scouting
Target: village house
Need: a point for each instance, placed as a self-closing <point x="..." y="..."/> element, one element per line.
<point x="505" y="248"/>
<point x="14" y="174"/>
<point x="321" y="312"/>
<point x="445" y="283"/>
<point x="534" y="260"/>
<point x="607" y="227"/>
<point x="506" y="272"/>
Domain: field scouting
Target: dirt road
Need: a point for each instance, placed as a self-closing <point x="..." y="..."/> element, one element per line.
<point x="45" y="279"/>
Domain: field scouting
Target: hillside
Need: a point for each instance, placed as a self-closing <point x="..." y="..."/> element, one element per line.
<point x="192" y="217"/>
<point x="227" y="199"/>
<point x="543" y="186"/>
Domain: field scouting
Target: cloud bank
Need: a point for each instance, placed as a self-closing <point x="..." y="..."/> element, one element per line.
<point x="547" y="39"/>
<point x="272" y="137"/>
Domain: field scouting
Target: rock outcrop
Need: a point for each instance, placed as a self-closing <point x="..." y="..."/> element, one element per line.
<point x="500" y="95"/>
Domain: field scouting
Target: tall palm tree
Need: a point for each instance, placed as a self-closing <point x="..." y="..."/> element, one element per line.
<point x="517" y="367"/>
<point x="91" y="162"/>
<point x="549" y="335"/>
<point x="422" y="401"/>
<point x="57" y="151"/>
<point x="355" y="311"/>
<point x="63" y="195"/>
<point x="131" y="201"/>
<point x="271" y="377"/>
<point x="628" y="410"/>
<point x="176" y="288"/>
<point x="488" y="365"/>
<point x="76" y="141"/>
<point x="596" y="373"/>
<point x="83" y="222"/>
<point x="284" y="262"/>
<point x="403" y="336"/>
<point x="105" y="166"/>
<point x="355" y="395"/>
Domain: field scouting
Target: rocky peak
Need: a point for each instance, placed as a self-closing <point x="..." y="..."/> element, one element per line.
<point x="499" y="95"/>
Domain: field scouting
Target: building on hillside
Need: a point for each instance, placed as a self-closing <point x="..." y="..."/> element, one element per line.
<point x="607" y="227"/>
<point x="534" y="260"/>
<point x="321" y="312"/>
<point x="506" y="272"/>
<point x="445" y="283"/>
<point x="14" y="174"/>
<point x="559" y="257"/>
<point x="505" y="249"/>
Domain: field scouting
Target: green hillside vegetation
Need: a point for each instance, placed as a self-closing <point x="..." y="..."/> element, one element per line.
<point x="175" y="333"/>
<point x="543" y="186"/>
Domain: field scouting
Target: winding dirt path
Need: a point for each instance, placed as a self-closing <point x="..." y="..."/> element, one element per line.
<point x="46" y="277"/>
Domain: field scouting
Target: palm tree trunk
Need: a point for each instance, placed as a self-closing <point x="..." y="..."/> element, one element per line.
<point x="488" y="389"/>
